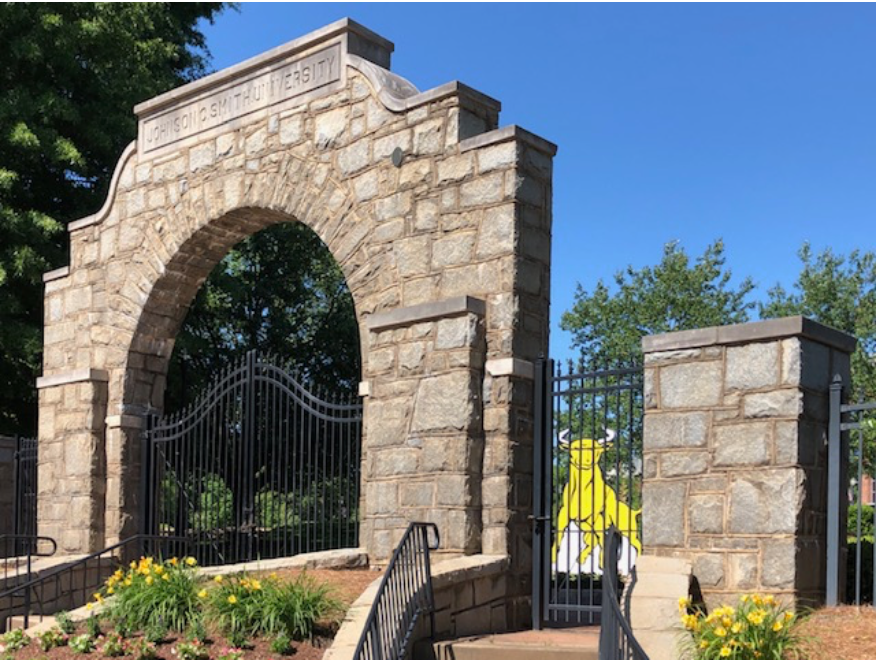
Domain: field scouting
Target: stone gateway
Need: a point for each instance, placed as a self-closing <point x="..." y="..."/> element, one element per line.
<point x="445" y="250"/>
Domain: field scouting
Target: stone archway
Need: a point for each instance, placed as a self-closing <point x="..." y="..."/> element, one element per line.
<point x="441" y="223"/>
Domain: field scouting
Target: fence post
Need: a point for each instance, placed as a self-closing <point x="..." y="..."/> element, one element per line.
<point x="538" y="532"/>
<point x="833" y="500"/>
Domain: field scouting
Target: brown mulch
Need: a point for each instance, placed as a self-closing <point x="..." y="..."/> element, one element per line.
<point x="840" y="633"/>
<point x="347" y="585"/>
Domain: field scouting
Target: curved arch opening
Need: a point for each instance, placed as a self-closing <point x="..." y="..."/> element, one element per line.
<point x="254" y="309"/>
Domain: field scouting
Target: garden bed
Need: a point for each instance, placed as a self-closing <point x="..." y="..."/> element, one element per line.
<point x="213" y="599"/>
<point x="840" y="633"/>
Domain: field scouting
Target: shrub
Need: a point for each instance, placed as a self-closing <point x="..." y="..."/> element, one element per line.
<point x="243" y="605"/>
<point x="82" y="644"/>
<point x="140" y="649"/>
<point x="113" y="645"/>
<point x="52" y="638"/>
<point x="155" y="633"/>
<point x="14" y="640"/>
<point x="281" y="645"/>
<point x="191" y="650"/>
<point x="154" y="594"/>
<point x="758" y="628"/>
<point x="65" y="623"/>
<point x="93" y="627"/>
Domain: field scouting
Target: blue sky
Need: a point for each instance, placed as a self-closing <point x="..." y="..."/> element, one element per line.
<point x="750" y="122"/>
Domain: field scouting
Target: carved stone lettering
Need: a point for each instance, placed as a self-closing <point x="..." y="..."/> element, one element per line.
<point x="240" y="98"/>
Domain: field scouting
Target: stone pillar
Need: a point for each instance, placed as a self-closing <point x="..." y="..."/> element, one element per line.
<point x="424" y="441"/>
<point x="71" y="473"/>
<point x="735" y="453"/>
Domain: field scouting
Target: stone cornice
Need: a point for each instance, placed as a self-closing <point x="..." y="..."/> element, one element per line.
<point x="73" y="376"/>
<point x="425" y="312"/>
<point x="735" y="334"/>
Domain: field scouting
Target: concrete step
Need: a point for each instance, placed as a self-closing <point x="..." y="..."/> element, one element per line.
<point x="567" y="644"/>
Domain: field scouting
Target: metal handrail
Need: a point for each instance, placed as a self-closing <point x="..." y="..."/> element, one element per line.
<point x="405" y="594"/>
<point x="617" y="640"/>
<point x="32" y="591"/>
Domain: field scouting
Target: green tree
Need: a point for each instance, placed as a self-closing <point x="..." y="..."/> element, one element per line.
<point x="838" y="291"/>
<point x="70" y="74"/>
<point x="675" y="295"/>
<point x="282" y="293"/>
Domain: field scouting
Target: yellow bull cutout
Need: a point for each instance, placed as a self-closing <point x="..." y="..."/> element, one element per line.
<point x="588" y="508"/>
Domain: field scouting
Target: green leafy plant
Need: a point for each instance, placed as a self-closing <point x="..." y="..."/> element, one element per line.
<point x="758" y="628"/>
<point x="251" y="606"/>
<point x="152" y="594"/>
<point x="155" y="633"/>
<point x="93" y="626"/>
<point x="197" y="631"/>
<point x="281" y="645"/>
<point x="232" y="654"/>
<point x="52" y="638"/>
<point x="14" y="640"/>
<point x="112" y="645"/>
<point x="82" y="644"/>
<point x="141" y="649"/>
<point x="191" y="650"/>
<point x="65" y="623"/>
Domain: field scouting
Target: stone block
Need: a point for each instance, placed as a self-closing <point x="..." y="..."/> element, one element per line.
<point x="752" y="366"/>
<point x="329" y="127"/>
<point x="696" y="384"/>
<point x="417" y="495"/>
<point x="413" y="256"/>
<point x="454" y="168"/>
<point x="663" y="513"/>
<point x="776" y="404"/>
<point x="291" y="130"/>
<point x="386" y="421"/>
<point x="706" y="513"/>
<point x="453" y="250"/>
<point x="675" y="430"/>
<point x="499" y="156"/>
<point x="742" y="444"/>
<point x="394" y="462"/>
<point x="201" y="156"/>
<point x="765" y="502"/>
<point x="683" y="464"/>
<point x="354" y="157"/>
<point x="444" y="402"/>
<point x="709" y="570"/>
<point x="457" y="332"/>
<point x="743" y="571"/>
<point x="778" y="564"/>
<point x="485" y="190"/>
<point x="497" y="233"/>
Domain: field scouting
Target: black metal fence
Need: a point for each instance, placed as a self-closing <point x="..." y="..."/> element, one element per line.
<point x="850" y="567"/>
<point x="25" y="471"/>
<point x="404" y="597"/>
<point x="258" y="467"/>
<point x="587" y="478"/>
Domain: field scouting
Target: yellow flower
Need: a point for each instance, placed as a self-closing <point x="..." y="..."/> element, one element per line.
<point x="149" y="581"/>
<point x="725" y="651"/>
<point x="166" y="577"/>
<point x="737" y="627"/>
<point x="132" y="565"/>
<point x="218" y="579"/>
<point x="744" y="598"/>
<point x="173" y="561"/>
<point x="202" y="593"/>
<point x="720" y="632"/>
<point x="190" y="561"/>
<point x="683" y="603"/>
<point x="256" y="585"/>
<point x="703" y="644"/>
<point x="770" y="601"/>
<point x="110" y="591"/>
<point x="690" y="621"/>
<point x="127" y="582"/>
<point x="787" y="616"/>
<point x="756" y="616"/>
<point x="232" y="599"/>
<point x="777" y="627"/>
<point x="727" y="622"/>
<point x="89" y="606"/>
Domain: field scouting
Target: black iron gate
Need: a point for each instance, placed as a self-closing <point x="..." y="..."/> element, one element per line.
<point x="25" y="506"/>
<point x="587" y="480"/>
<point x="258" y="467"/>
